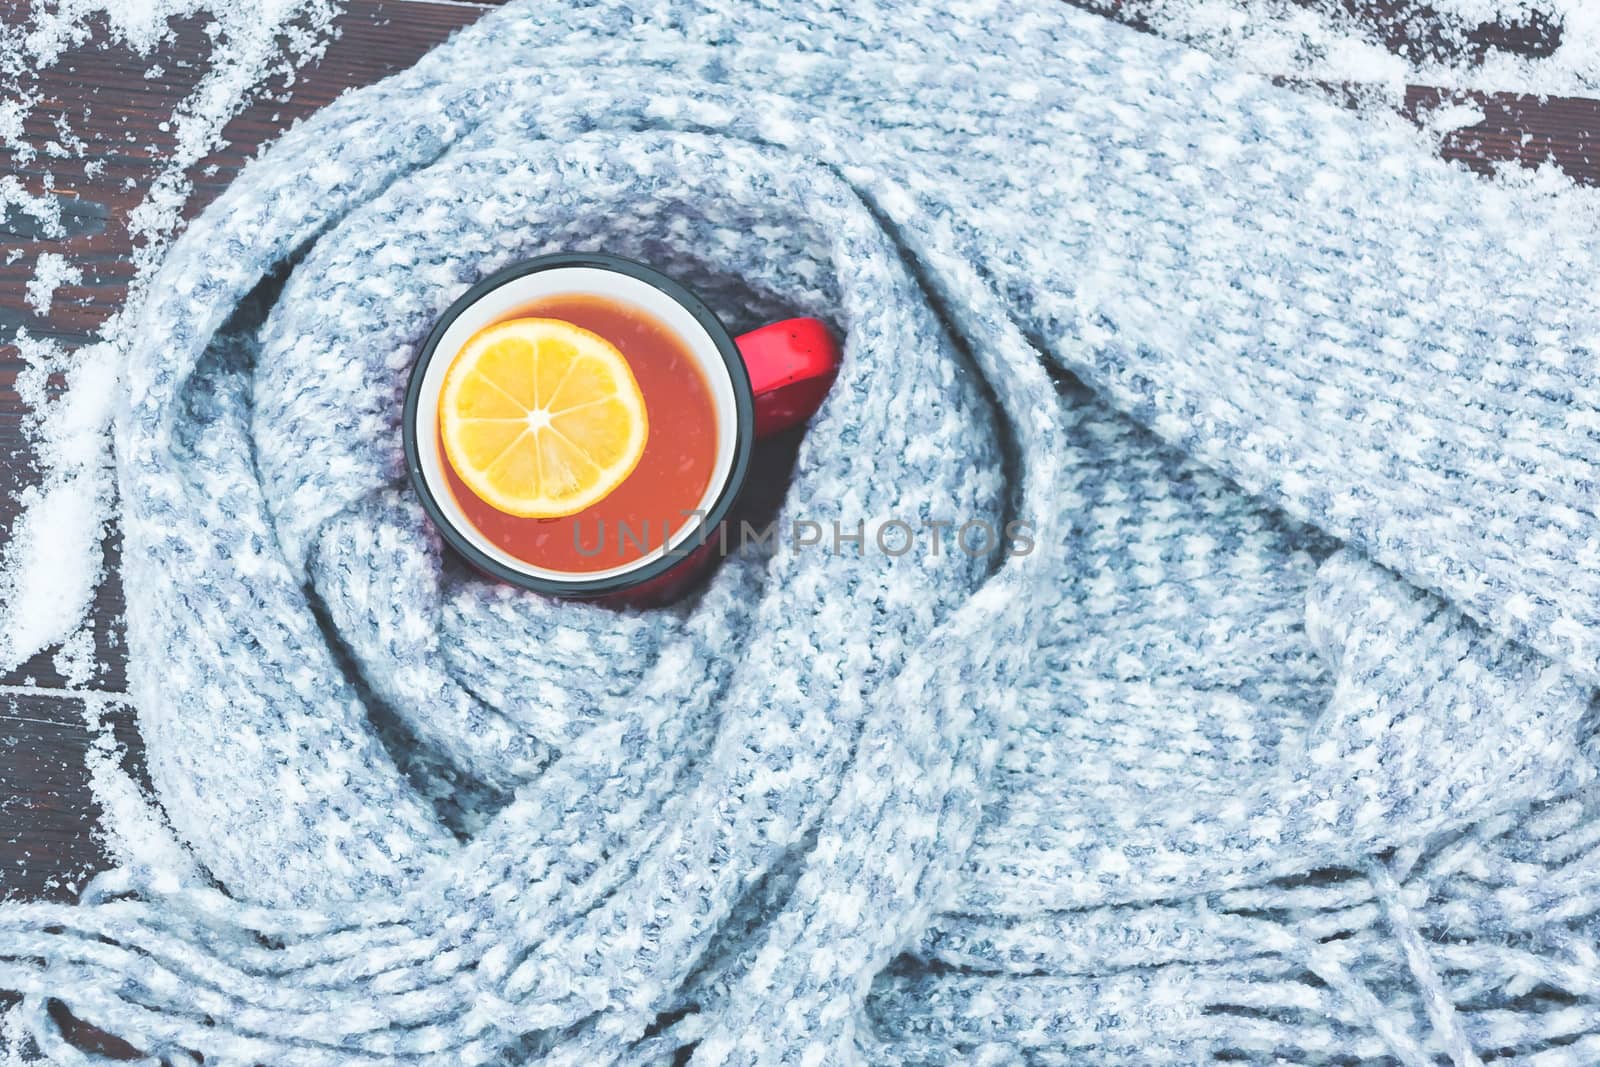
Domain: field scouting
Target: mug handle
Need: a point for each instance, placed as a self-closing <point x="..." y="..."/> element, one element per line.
<point x="791" y="364"/>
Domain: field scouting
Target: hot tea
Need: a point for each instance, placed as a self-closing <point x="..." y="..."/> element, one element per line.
<point x="658" y="496"/>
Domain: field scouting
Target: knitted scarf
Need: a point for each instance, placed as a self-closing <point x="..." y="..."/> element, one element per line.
<point x="1273" y="749"/>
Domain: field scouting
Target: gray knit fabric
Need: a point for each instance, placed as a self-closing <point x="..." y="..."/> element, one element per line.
<point x="1275" y="749"/>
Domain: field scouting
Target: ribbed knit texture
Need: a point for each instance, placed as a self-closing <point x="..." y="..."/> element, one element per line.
<point x="1274" y="750"/>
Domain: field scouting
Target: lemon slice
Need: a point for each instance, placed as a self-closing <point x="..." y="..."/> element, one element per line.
<point x="541" y="418"/>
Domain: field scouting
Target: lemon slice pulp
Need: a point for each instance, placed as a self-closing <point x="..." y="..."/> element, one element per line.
<point x="541" y="418"/>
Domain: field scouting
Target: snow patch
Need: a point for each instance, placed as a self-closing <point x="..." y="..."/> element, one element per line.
<point x="132" y="830"/>
<point x="44" y="210"/>
<point x="75" y="660"/>
<point x="50" y="272"/>
<point x="52" y="561"/>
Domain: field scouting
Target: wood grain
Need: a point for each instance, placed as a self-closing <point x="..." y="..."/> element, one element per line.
<point x="48" y="816"/>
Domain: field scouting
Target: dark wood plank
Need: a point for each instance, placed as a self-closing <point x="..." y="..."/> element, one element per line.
<point x="1421" y="33"/>
<point x="50" y="821"/>
<point x="1526" y="130"/>
<point x="1416" y="30"/>
<point x="48" y="814"/>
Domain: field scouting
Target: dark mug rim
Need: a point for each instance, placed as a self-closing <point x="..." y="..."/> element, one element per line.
<point x="743" y="428"/>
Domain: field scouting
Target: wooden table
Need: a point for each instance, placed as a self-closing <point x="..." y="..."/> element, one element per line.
<point x="48" y="844"/>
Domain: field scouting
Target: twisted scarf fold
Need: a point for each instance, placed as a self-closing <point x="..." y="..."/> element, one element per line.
<point x="1274" y="749"/>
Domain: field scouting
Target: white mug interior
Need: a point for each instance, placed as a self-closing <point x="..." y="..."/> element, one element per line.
<point x="503" y="302"/>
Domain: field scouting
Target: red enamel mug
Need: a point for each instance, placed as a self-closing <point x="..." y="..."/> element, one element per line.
<point x="760" y="383"/>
